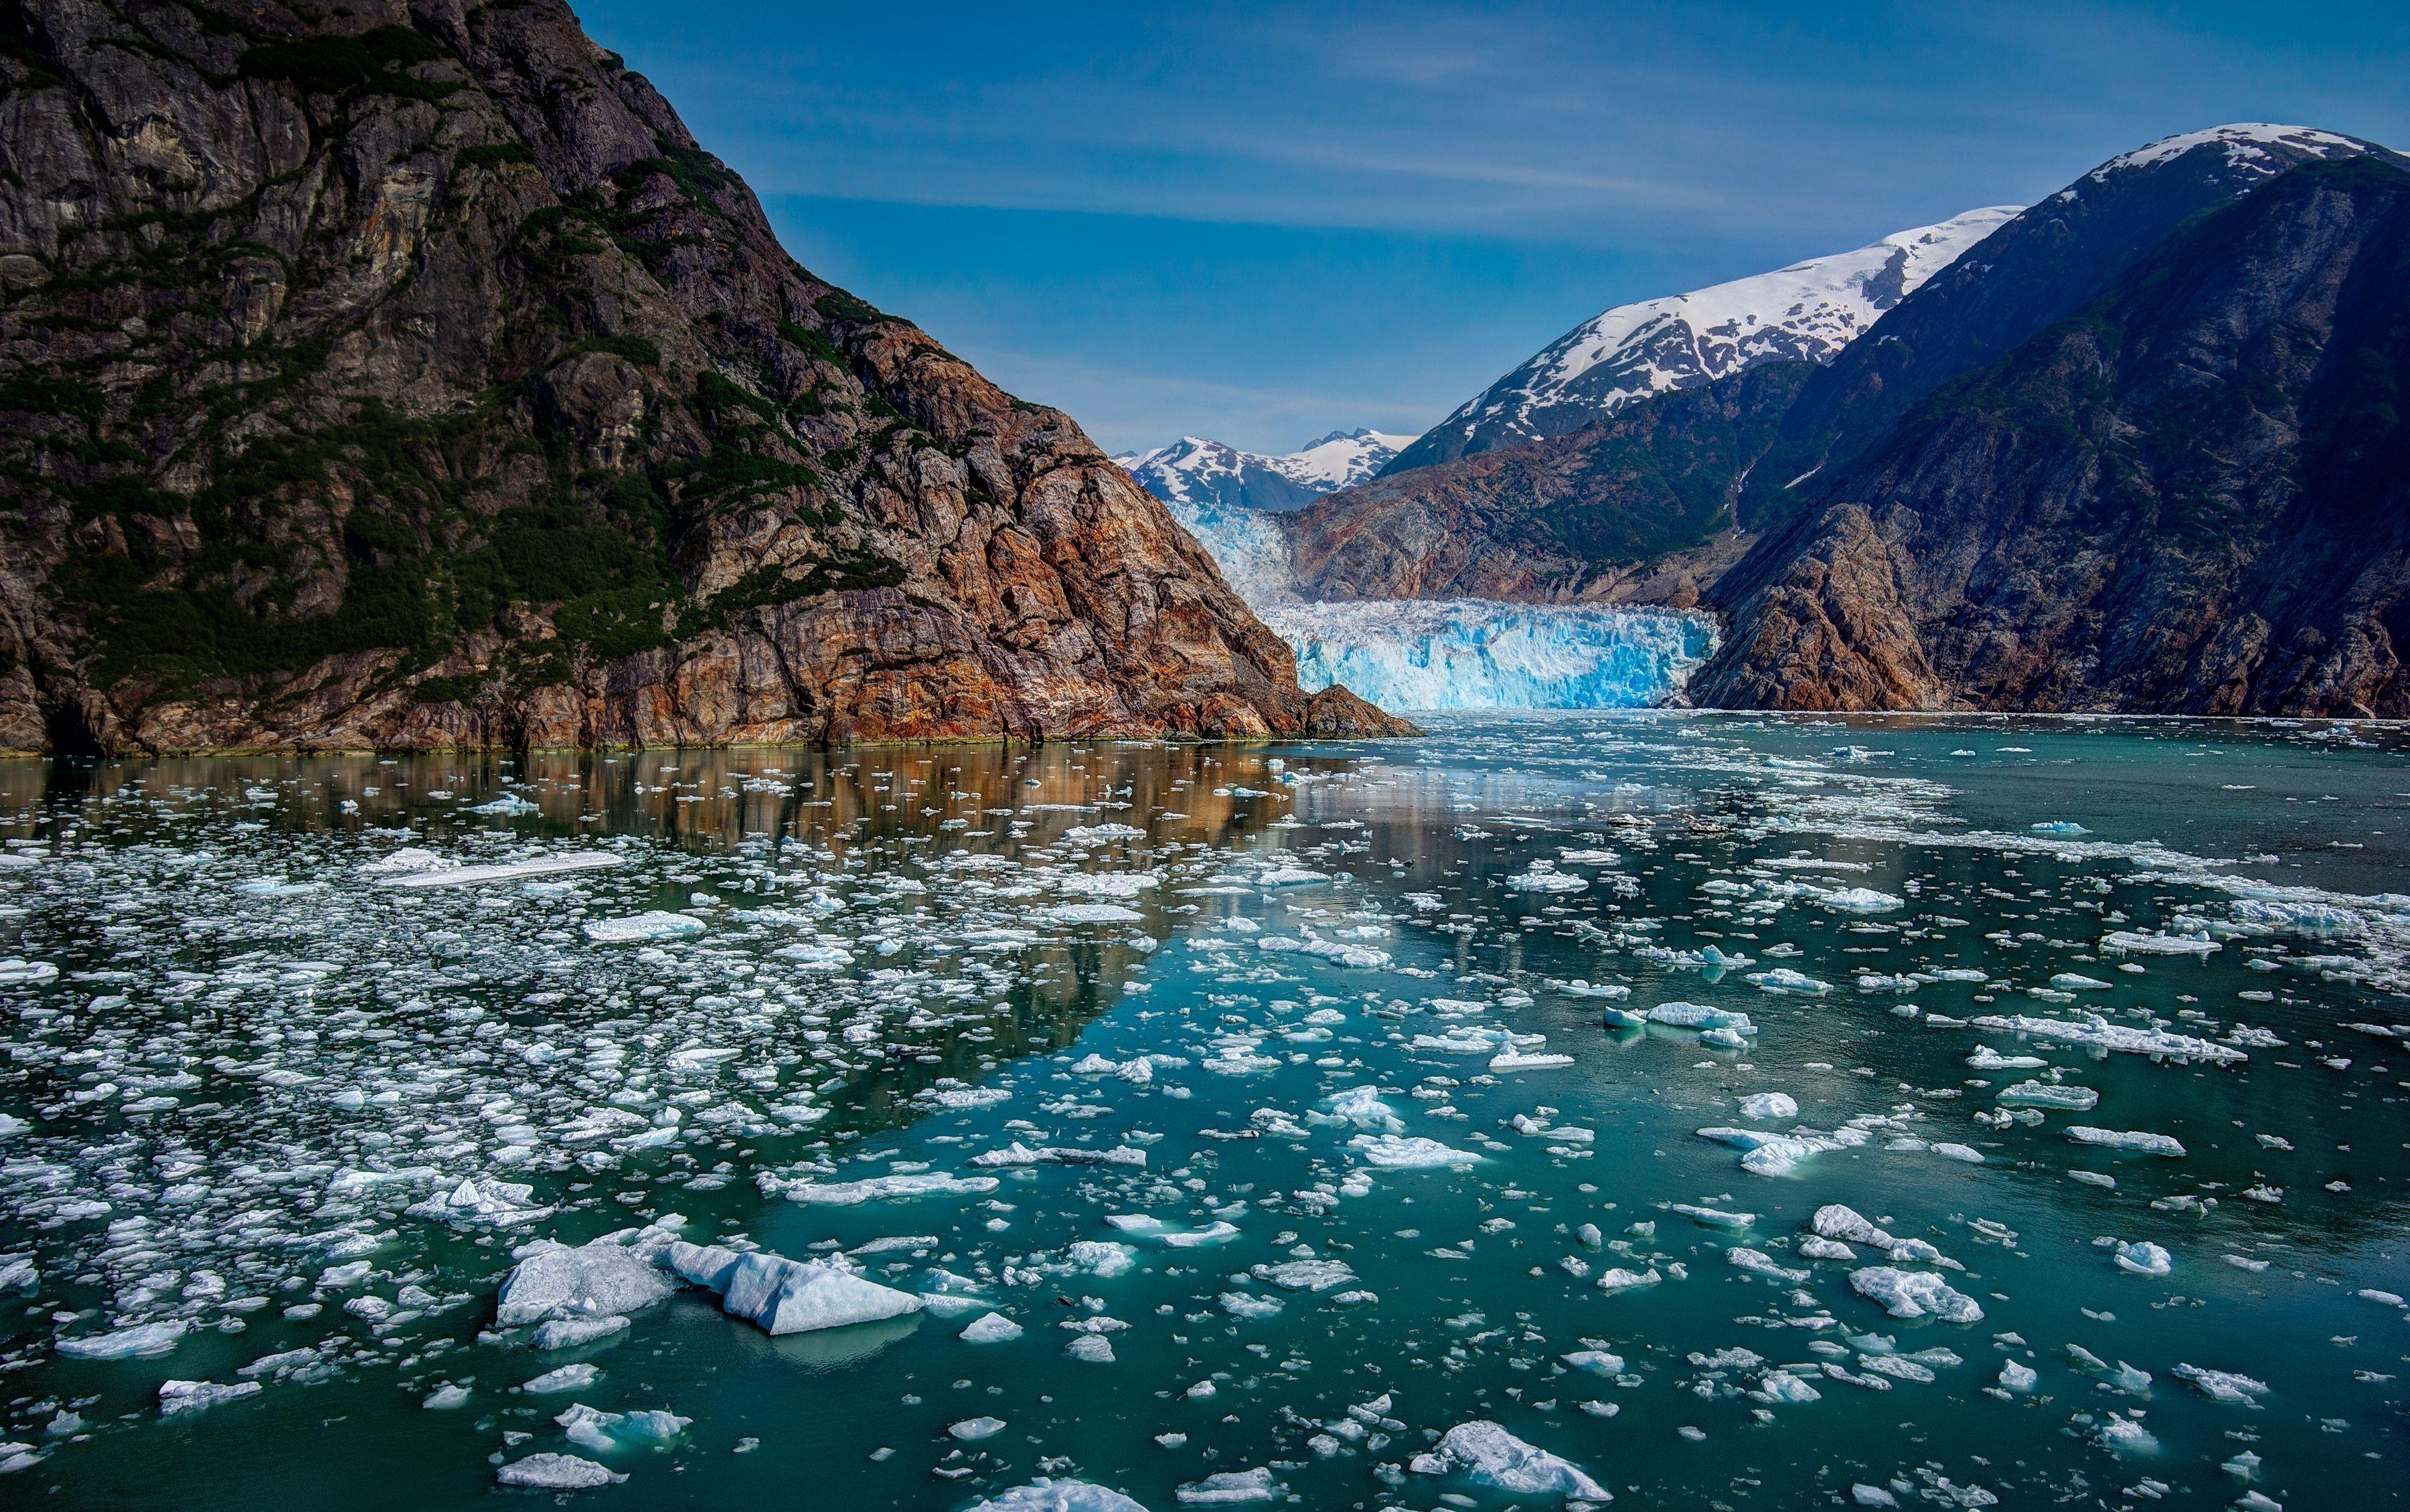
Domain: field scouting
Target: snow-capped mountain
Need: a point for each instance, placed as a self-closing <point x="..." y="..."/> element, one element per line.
<point x="1806" y="311"/>
<point x="2247" y="145"/>
<point x="1198" y="472"/>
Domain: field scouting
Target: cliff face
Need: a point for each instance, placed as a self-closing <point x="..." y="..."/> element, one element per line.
<point x="2193" y="497"/>
<point x="404" y="375"/>
<point x="1635" y="508"/>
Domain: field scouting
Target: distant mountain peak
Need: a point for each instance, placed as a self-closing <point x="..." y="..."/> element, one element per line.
<point x="2246" y="144"/>
<point x="1807" y="311"/>
<point x="1198" y="472"/>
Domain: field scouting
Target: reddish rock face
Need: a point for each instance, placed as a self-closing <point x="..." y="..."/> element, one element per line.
<point x="409" y="379"/>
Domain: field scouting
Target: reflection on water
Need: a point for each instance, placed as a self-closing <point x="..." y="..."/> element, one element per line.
<point x="258" y="1046"/>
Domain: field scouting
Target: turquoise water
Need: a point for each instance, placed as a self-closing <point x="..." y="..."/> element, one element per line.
<point x="256" y="1058"/>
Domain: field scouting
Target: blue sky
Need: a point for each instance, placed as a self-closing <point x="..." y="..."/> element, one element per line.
<point x="1263" y="222"/>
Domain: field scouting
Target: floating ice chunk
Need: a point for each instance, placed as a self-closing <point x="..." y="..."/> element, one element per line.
<point x="1091" y="1349"/>
<point x="1769" y="1105"/>
<point x="557" y="1473"/>
<point x="1337" y="952"/>
<point x="143" y="1341"/>
<point x="1782" y="1388"/>
<point x="2124" y="1435"/>
<point x="1783" y="979"/>
<point x="657" y="924"/>
<point x="1542" y="876"/>
<point x="2099" y="1031"/>
<point x="1398" y="1151"/>
<point x="1859" y="900"/>
<point x="2073" y="982"/>
<point x="1816" y="1247"/>
<point x="1616" y="1278"/>
<point x="2017" y="1378"/>
<point x="881" y="1188"/>
<point x="1486" y="1454"/>
<point x="1914" y="1294"/>
<point x="1018" y="1153"/>
<point x="784" y="1296"/>
<point x="2220" y="1386"/>
<point x="567" y="1378"/>
<point x="1101" y="1258"/>
<point x="1359" y="1107"/>
<point x="1860" y="1493"/>
<point x="509" y="803"/>
<point x="2136" y="942"/>
<point x="192" y="1396"/>
<point x="706" y="1265"/>
<point x="1513" y="1060"/>
<point x="419" y="873"/>
<point x="1714" y="1218"/>
<point x="1596" y="1361"/>
<point x="1247" y="1304"/>
<point x="1231" y="1488"/>
<point x="2058" y="826"/>
<point x="971" y="1430"/>
<point x="1044" y="1495"/>
<point x="993" y="1329"/>
<point x="482" y="1200"/>
<point x="2049" y="1094"/>
<point x="1094" y="913"/>
<point x="591" y="1281"/>
<point x="2111" y="1139"/>
<point x="1699" y="1016"/>
<point x="1769" y="1153"/>
<point x="446" y="1397"/>
<point x="1290" y="876"/>
<point x="1305" y="1276"/>
<point x="1758" y="1262"/>
<point x="2144" y="1258"/>
<point x="18" y="972"/>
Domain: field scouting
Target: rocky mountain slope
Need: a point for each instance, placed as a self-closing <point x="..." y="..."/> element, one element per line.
<point x="1804" y="312"/>
<point x="404" y="374"/>
<point x="1636" y="508"/>
<point x="2048" y="263"/>
<point x="1198" y="472"/>
<point x="2191" y="495"/>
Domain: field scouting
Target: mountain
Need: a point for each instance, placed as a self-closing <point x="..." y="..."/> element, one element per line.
<point x="1635" y="507"/>
<point x="1806" y="312"/>
<point x="2191" y="495"/>
<point x="2048" y="263"/>
<point x="1199" y="473"/>
<point x="405" y="375"/>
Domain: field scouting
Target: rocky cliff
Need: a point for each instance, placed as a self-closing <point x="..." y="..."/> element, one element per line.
<point x="404" y="374"/>
<point x="2193" y="496"/>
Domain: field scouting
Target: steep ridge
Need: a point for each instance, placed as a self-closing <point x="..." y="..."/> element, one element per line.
<point x="2051" y="261"/>
<point x="2192" y="495"/>
<point x="404" y="375"/>
<point x="1804" y="312"/>
<point x="1636" y="508"/>
<point x="1201" y="473"/>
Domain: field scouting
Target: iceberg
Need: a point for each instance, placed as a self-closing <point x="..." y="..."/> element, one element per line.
<point x="1044" y="1495"/>
<point x="784" y="1296"/>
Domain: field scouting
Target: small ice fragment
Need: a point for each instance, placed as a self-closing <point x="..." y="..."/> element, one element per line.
<point x="1769" y="1105"/>
<point x="567" y="1378"/>
<point x="2112" y="1139"/>
<point x="657" y="925"/>
<point x="1407" y="1152"/>
<point x="191" y="1396"/>
<point x="145" y="1341"/>
<point x="446" y="1397"/>
<point x="1914" y="1294"/>
<point x="2144" y="1258"/>
<point x="971" y="1430"/>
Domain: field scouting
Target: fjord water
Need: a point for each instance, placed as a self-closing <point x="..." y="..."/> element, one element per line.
<point x="263" y="1046"/>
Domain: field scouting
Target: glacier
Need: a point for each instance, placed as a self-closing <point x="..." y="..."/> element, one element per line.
<point x="1452" y="654"/>
<point x="1439" y="654"/>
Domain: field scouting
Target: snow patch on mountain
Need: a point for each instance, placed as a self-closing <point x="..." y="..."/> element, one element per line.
<point x="2245" y="142"/>
<point x="1807" y="311"/>
<point x="1195" y="471"/>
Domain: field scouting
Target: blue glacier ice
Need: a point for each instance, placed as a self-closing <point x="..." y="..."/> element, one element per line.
<point x="1475" y="654"/>
<point x="1435" y="654"/>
